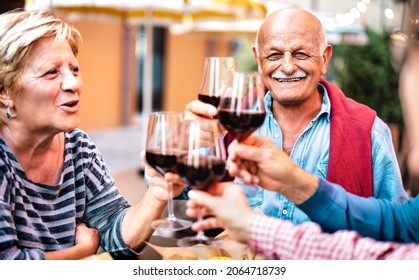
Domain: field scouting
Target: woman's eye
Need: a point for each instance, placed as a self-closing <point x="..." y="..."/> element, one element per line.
<point x="51" y="72"/>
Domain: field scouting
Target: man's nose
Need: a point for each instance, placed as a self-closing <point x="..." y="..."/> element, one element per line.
<point x="288" y="65"/>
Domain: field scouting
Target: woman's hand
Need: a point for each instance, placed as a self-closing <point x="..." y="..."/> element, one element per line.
<point x="87" y="241"/>
<point x="158" y="183"/>
<point x="87" y="237"/>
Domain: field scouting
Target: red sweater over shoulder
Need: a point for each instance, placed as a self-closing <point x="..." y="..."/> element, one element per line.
<point x="350" y="155"/>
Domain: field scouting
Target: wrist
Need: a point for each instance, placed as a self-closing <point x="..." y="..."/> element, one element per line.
<point x="241" y="227"/>
<point x="152" y="199"/>
<point x="302" y="186"/>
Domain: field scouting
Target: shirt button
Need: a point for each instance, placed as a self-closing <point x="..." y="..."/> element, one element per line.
<point x="285" y="212"/>
<point x="276" y="135"/>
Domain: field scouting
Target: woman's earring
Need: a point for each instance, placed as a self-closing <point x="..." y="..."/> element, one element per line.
<point x="8" y="114"/>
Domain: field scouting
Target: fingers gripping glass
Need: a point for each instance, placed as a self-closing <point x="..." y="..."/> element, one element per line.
<point x="161" y="153"/>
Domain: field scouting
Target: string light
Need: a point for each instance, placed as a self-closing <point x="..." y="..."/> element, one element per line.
<point x="389" y="13"/>
<point x="354" y="14"/>
<point x="362" y="7"/>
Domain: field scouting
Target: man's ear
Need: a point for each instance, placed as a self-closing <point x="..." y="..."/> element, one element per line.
<point x="255" y="53"/>
<point x="327" y="54"/>
<point x="256" y="56"/>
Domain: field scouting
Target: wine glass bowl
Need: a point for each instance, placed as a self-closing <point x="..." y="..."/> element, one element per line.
<point x="241" y="110"/>
<point x="201" y="163"/>
<point x="163" y="162"/>
<point x="161" y="154"/>
<point x="201" y="172"/>
<point x="242" y="124"/>
<point x="214" y="74"/>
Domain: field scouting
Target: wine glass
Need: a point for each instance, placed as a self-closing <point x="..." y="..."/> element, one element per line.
<point x="242" y="110"/>
<point x="201" y="163"/>
<point x="215" y="71"/>
<point x="161" y="151"/>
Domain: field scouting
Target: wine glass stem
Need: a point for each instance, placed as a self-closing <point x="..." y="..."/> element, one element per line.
<point x="200" y="234"/>
<point x="170" y="212"/>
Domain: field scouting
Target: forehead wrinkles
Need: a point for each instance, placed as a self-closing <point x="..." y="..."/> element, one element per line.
<point x="41" y="49"/>
<point x="307" y="42"/>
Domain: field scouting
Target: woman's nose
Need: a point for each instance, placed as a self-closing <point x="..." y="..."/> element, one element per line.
<point x="71" y="82"/>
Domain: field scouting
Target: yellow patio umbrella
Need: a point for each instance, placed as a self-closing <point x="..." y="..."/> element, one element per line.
<point x="248" y="15"/>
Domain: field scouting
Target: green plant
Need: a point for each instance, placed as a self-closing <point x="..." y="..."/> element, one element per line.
<point x="365" y="74"/>
<point x="244" y="54"/>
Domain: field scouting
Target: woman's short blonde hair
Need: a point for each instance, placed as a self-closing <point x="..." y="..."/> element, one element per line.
<point x="19" y="30"/>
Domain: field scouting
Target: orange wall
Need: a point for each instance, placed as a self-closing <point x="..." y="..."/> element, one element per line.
<point x="100" y="59"/>
<point x="184" y="61"/>
<point x="183" y="70"/>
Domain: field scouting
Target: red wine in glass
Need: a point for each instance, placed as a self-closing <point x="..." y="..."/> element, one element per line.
<point x="242" y="110"/>
<point x="203" y="174"/>
<point x="161" y="162"/>
<point x="242" y="124"/>
<point x="213" y="100"/>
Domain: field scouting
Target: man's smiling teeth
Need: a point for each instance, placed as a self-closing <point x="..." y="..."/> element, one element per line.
<point x="288" y="79"/>
<point x="294" y="77"/>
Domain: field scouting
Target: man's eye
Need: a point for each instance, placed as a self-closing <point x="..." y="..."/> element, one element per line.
<point x="274" y="57"/>
<point x="300" y="56"/>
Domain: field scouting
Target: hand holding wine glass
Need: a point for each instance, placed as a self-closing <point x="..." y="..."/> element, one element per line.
<point x="214" y="75"/>
<point x="161" y="152"/>
<point x="201" y="163"/>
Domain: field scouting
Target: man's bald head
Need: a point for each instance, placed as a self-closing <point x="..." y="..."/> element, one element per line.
<point x="300" y="21"/>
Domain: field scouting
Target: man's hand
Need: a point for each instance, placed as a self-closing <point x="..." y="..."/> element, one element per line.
<point x="198" y="109"/>
<point x="257" y="160"/>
